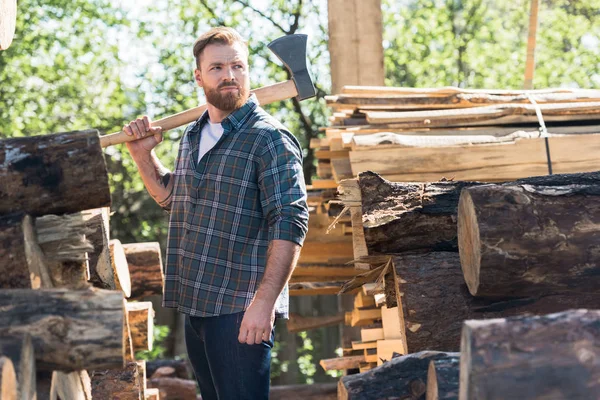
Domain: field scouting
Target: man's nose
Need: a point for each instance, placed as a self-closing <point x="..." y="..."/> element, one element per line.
<point x="228" y="74"/>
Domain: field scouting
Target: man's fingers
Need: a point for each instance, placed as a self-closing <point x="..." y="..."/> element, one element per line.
<point x="146" y="122"/>
<point x="127" y="130"/>
<point x="243" y="334"/>
<point x="258" y="337"/>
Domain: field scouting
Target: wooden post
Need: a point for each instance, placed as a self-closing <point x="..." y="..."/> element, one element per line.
<point x="53" y="174"/>
<point x="145" y="268"/>
<point x="355" y="43"/>
<point x="551" y="356"/>
<point x="531" y="39"/>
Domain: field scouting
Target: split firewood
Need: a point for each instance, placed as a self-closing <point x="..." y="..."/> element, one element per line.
<point x="534" y="236"/>
<point x="53" y="174"/>
<point x="141" y="324"/>
<point x="8" y="379"/>
<point x="74" y="385"/>
<point x="145" y="268"/>
<point x="550" y="356"/>
<point x="19" y="350"/>
<point x="443" y="378"/>
<point x="97" y="233"/>
<point x="120" y="267"/>
<point x="70" y="329"/>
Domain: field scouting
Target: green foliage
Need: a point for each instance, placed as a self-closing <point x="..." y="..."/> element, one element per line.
<point x="161" y="332"/>
<point x="305" y="358"/>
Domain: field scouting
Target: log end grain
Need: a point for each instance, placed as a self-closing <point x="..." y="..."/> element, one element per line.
<point x="468" y="241"/>
<point x="8" y="380"/>
<point x="120" y="267"/>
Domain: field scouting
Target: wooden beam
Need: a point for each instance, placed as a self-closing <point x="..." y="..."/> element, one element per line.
<point x="298" y="323"/>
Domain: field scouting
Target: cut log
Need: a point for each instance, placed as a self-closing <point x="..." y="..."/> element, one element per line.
<point x="152" y="394"/>
<point x="53" y="174"/>
<point x="145" y="269"/>
<point x="141" y="324"/>
<point x="531" y="237"/>
<point x="552" y="356"/>
<point x="8" y="22"/>
<point x="120" y="267"/>
<point x="435" y="300"/>
<point x="401" y="217"/>
<point x="23" y="263"/>
<point x="402" y="377"/>
<point x="74" y="385"/>
<point x="97" y="232"/>
<point x="341" y="363"/>
<point x="174" y="388"/>
<point x="20" y="351"/>
<point x="141" y="366"/>
<point x="181" y="367"/>
<point x="8" y="380"/>
<point x="443" y="378"/>
<point x="122" y="384"/>
<point x="127" y="339"/>
<point x="315" y="391"/>
<point x="70" y="330"/>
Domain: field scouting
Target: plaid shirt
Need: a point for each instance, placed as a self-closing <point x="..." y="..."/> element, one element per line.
<point x="246" y="191"/>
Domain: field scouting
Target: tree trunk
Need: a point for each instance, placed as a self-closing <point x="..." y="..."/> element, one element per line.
<point x="435" y="301"/>
<point x="551" y="357"/>
<point x="122" y="384"/>
<point x="443" y="377"/>
<point x="533" y="236"/>
<point x="20" y="254"/>
<point x="401" y="378"/>
<point x="316" y="391"/>
<point x="401" y="217"/>
<point x="70" y="330"/>
<point x="145" y="268"/>
<point x="20" y="351"/>
<point x="97" y="225"/>
<point x="141" y="324"/>
<point x="174" y="388"/>
<point x="8" y="379"/>
<point x="53" y="174"/>
<point x="120" y="267"/>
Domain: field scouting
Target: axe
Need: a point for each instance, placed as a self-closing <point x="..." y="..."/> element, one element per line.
<point x="290" y="49"/>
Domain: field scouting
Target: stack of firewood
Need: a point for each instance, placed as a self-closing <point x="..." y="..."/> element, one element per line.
<point x="409" y="134"/>
<point x="70" y="316"/>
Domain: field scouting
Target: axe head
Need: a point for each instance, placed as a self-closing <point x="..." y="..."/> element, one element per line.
<point x="291" y="50"/>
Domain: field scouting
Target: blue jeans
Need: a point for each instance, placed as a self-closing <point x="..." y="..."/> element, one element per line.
<point x="225" y="368"/>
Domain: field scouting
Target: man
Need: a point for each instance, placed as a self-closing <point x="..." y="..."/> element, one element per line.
<point x="238" y="218"/>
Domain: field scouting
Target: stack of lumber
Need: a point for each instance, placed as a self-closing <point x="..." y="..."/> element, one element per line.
<point x="409" y="134"/>
<point x="72" y="320"/>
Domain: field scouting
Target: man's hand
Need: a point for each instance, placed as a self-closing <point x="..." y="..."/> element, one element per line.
<point x="142" y="128"/>
<point x="257" y="323"/>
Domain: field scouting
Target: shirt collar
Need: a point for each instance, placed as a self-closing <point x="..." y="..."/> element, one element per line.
<point x="236" y="119"/>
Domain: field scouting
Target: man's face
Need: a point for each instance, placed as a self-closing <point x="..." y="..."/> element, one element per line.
<point x="223" y="75"/>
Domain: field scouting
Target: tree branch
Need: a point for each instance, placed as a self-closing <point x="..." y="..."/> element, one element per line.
<point x="245" y="4"/>
<point x="212" y="13"/>
<point x="297" y="15"/>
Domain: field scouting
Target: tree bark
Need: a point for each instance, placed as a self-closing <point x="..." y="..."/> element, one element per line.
<point x="8" y="379"/>
<point x="122" y="384"/>
<point x="435" y="301"/>
<point x="551" y="357"/>
<point x="401" y="217"/>
<point x="120" y="267"/>
<point x="141" y="324"/>
<point x="443" y="377"/>
<point x="530" y="237"/>
<point x="315" y="391"/>
<point x="174" y="388"/>
<point x="70" y="330"/>
<point x="402" y="377"/>
<point x="53" y="174"/>
<point x="145" y="268"/>
<point x="20" y="351"/>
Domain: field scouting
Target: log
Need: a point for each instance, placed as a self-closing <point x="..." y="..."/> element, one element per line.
<point x="534" y="236"/>
<point x="401" y="217"/>
<point x="23" y="263"/>
<point x="120" y="267"/>
<point x="53" y="174"/>
<point x="122" y="384"/>
<point x="174" y="388"/>
<point x="152" y="394"/>
<point x="8" y="22"/>
<point x="145" y="269"/>
<point x="141" y="367"/>
<point x="443" y="378"/>
<point x="181" y="367"/>
<point x="340" y="363"/>
<point x="20" y="351"/>
<point x="74" y="385"/>
<point x="315" y="391"/>
<point x="97" y="232"/>
<point x="8" y="380"/>
<point x="402" y="377"/>
<point x="435" y="300"/>
<point x="141" y="324"/>
<point x="552" y="356"/>
<point x="70" y="330"/>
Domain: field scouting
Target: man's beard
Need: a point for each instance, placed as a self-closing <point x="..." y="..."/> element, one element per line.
<point x="227" y="101"/>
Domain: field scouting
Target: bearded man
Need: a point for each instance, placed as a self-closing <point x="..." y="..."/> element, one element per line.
<point x="238" y="218"/>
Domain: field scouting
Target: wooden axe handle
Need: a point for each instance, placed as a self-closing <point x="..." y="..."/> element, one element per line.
<point x="266" y="95"/>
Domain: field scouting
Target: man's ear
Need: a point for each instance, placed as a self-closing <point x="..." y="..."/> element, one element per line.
<point x="198" y="77"/>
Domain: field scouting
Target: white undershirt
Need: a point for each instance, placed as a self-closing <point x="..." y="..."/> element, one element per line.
<point x="210" y="135"/>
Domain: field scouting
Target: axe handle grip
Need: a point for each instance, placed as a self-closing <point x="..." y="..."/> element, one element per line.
<point x="266" y="95"/>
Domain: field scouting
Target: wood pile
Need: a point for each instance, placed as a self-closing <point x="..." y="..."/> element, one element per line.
<point x="71" y="321"/>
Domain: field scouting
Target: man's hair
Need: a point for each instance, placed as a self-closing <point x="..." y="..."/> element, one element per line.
<point x="219" y="35"/>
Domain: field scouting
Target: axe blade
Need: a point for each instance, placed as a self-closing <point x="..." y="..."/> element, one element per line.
<point x="291" y="50"/>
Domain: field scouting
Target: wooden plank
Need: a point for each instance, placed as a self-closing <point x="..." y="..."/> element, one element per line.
<point x="390" y="317"/>
<point x="447" y="90"/>
<point x="362" y="317"/>
<point x="314" y="288"/>
<point x="299" y="323"/>
<point x="387" y="348"/>
<point x="324" y="184"/>
<point x="332" y="252"/>
<point x="370" y="334"/>
<point x="358" y="238"/>
<point x="331" y="154"/>
<point x="340" y="363"/>
<point x="491" y="163"/>
<point x="341" y="168"/>
<point x="360" y="345"/>
<point x="361" y="300"/>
